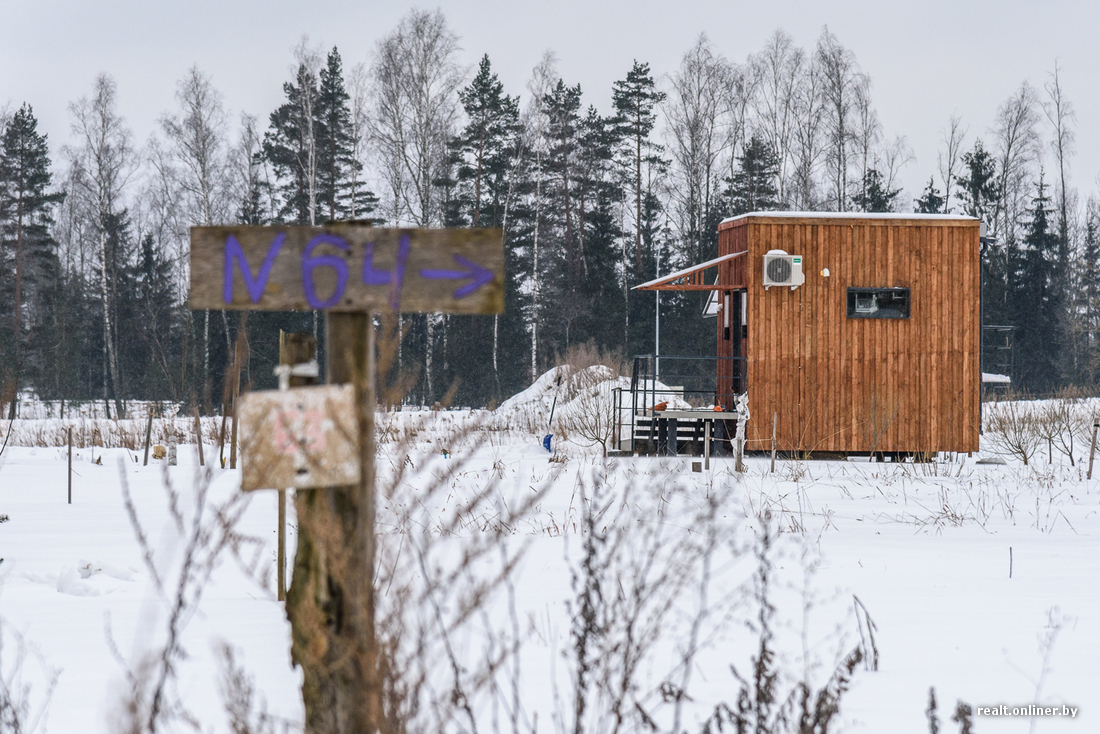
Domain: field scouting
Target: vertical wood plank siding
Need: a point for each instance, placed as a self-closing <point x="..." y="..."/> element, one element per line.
<point x="832" y="380"/>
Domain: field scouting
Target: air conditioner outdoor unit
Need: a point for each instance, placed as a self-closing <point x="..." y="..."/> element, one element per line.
<point x="783" y="269"/>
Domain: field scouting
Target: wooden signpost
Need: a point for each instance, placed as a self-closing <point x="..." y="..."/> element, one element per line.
<point x="349" y="271"/>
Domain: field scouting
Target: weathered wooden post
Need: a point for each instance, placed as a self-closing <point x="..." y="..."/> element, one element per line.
<point x="349" y="271"/>
<point x="240" y="354"/>
<point x="297" y="368"/>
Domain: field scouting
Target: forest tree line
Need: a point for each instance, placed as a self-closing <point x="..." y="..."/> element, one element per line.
<point x="94" y="233"/>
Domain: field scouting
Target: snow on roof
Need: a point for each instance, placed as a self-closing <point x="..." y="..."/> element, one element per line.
<point x="851" y="215"/>
<point x="989" y="377"/>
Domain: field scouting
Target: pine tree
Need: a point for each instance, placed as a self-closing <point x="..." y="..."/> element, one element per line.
<point x="930" y="202"/>
<point x="754" y="187"/>
<point x="635" y="100"/>
<point x="290" y="146"/>
<point x="485" y="149"/>
<point x="481" y="191"/>
<point x="875" y="195"/>
<point x="26" y="208"/>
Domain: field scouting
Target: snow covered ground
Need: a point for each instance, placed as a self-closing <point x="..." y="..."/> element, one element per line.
<point x="926" y="548"/>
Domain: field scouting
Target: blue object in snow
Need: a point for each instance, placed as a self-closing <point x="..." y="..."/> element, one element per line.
<point x="546" y="442"/>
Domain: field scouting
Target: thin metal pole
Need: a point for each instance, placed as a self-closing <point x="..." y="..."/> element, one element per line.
<point x="706" y="443"/>
<point x="775" y="420"/>
<point x="198" y="436"/>
<point x="70" y="465"/>
<point x="284" y="385"/>
<point x="148" y="434"/>
<point x="1092" y="449"/>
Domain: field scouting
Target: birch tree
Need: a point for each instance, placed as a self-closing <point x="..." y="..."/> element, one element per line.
<point x="103" y="162"/>
<point x="695" y="112"/>
<point x="416" y="81"/>
<point x="196" y="165"/>
<point x="807" y="140"/>
<point x="778" y="69"/>
<point x="1016" y="133"/>
<point x="1061" y="115"/>
<point x="845" y="91"/>
<point x="949" y="159"/>
<point x="536" y="124"/>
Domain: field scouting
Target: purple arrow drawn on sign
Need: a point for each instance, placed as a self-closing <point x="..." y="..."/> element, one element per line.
<point x="480" y="275"/>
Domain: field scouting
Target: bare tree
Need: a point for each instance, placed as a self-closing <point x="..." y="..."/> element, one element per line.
<point x="103" y="162"/>
<point x="807" y="139"/>
<point x="698" y="141"/>
<point x="416" y="80"/>
<point x="1017" y="136"/>
<point x="359" y="91"/>
<point x="867" y="136"/>
<point x="845" y="90"/>
<point x="195" y="164"/>
<point x="948" y="159"/>
<point x="249" y="177"/>
<point x="891" y="158"/>
<point x="778" y="70"/>
<point x="535" y="124"/>
<point x="1059" y="111"/>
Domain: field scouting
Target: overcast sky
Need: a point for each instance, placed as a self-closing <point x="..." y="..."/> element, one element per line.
<point x="926" y="60"/>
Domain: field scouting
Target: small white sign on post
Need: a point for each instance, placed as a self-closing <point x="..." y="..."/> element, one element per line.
<point x="305" y="438"/>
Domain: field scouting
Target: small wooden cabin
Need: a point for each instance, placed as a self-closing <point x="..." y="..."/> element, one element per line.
<point x="877" y="350"/>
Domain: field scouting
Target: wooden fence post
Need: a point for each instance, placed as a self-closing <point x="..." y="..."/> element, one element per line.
<point x="294" y="349"/>
<point x="240" y="354"/>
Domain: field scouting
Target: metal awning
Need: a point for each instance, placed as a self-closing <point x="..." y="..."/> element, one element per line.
<point x="694" y="276"/>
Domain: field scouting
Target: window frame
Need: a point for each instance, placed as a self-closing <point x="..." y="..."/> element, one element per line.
<point x="902" y="312"/>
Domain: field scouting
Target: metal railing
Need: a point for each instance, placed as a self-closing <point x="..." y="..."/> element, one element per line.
<point x="701" y="384"/>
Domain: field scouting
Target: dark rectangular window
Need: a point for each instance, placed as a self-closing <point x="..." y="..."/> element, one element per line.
<point x="878" y="303"/>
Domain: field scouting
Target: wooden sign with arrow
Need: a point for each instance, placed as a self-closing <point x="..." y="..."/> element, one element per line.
<point x="347" y="267"/>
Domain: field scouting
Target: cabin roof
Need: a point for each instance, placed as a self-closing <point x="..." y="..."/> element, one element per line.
<point x="905" y="216"/>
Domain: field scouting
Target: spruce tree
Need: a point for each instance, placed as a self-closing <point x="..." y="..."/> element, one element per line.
<point x="1037" y="303"/>
<point x="875" y="195"/>
<point x="26" y="214"/>
<point x="753" y="187"/>
<point x="930" y="201"/>
<point x="1089" y="301"/>
<point x="337" y="167"/>
<point x="978" y="189"/>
